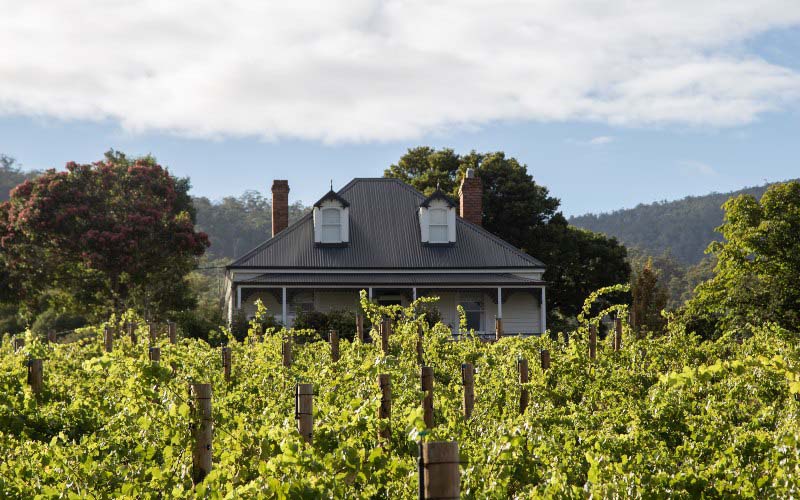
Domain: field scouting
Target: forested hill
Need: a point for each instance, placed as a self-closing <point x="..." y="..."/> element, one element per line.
<point x="683" y="227"/>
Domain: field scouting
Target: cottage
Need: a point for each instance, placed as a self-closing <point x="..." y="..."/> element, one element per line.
<point x="385" y="237"/>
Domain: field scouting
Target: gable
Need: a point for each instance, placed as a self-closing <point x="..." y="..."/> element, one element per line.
<point x="384" y="233"/>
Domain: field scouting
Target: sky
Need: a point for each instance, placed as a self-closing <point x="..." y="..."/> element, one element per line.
<point x="609" y="104"/>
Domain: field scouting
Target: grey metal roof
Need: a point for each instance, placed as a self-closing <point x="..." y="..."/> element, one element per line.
<point x="385" y="234"/>
<point x="392" y="279"/>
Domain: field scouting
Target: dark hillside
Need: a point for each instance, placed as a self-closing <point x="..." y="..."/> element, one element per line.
<point x="682" y="228"/>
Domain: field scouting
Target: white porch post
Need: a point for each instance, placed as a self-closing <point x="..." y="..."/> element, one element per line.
<point x="370" y="293"/>
<point x="238" y="297"/>
<point x="283" y="311"/>
<point x="414" y="293"/>
<point x="543" y="312"/>
<point x="499" y="303"/>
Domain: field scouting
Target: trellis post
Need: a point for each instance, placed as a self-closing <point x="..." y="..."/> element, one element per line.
<point x="442" y="477"/>
<point x="203" y="432"/>
<point x="303" y="410"/>
<point x="334" y="339"/>
<point x="468" y="380"/>
<point x="385" y="409"/>
<point x="522" y="368"/>
<point x="427" y="400"/>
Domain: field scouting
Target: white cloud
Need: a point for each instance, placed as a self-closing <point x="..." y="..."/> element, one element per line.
<point x="366" y="70"/>
<point x="694" y="168"/>
<point x="600" y="140"/>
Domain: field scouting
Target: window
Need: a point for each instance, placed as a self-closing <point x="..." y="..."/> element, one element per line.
<point x="299" y="303"/>
<point x="331" y="225"/>
<point x="473" y="310"/>
<point x="438" y="225"/>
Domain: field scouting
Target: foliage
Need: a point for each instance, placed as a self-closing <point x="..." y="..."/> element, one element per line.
<point x="523" y="213"/>
<point x="758" y="265"/>
<point x="11" y="175"/>
<point x="649" y="300"/>
<point x="118" y="231"/>
<point x="55" y="321"/>
<point x="669" y="416"/>
<point x="236" y="225"/>
<point x="678" y="279"/>
<point x="682" y="228"/>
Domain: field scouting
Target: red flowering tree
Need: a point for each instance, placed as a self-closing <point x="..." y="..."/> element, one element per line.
<point x="118" y="232"/>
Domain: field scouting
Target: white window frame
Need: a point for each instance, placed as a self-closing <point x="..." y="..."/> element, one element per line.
<point x="445" y="226"/>
<point x="330" y="227"/>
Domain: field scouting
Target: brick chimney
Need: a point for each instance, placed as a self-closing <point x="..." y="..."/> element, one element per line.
<point x="471" y="195"/>
<point x="280" y="206"/>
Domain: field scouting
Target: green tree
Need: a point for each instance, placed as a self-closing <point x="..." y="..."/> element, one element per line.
<point x="11" y="175"/>
<point x="118" y="232"/>
<point x="757" y="276"/>
<point x="649" y="299"/>
<point x="523" y="213"/>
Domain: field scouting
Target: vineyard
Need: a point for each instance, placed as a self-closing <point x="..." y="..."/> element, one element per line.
<point x="668" y="416"/>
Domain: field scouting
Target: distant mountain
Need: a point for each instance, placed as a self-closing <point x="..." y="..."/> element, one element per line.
<point x="682" y="228"/>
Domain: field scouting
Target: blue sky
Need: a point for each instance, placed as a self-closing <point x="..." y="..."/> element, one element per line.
<point x="710" y="105"/>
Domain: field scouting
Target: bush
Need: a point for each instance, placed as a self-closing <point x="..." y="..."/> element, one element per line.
<point x="55" y="321"/>
<point x="10" y="323"/>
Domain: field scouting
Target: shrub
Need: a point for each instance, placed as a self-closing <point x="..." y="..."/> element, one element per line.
<point x="56" y="321"/>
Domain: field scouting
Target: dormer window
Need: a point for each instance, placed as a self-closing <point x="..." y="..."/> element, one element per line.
<point x="437" y="220"/>
<point x="331" y="216"/>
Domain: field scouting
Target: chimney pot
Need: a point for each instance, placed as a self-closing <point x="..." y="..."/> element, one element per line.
<point x="471" y="198"/>
<point x="280" y="206"/>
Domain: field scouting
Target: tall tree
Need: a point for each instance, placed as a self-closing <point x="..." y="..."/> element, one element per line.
<point x="11" y="175"/>
<point x="523" y="213"/>
<point x="116" y="232"/>
<point x="649" y="299"/>
<point x="757" y="276"/>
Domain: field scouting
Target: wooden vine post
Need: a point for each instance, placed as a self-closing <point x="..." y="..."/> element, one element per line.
<point x="131" y="331"/>
<point x="386" y="329"/>
<point x="360" y="327"/>
<point x="617" y="334"/>
<point x="19" y="343"/>
<point x="153" y="332"/>
<point x="442" y="477"/>
<point x="51" y="337"/>
<point x="172" y="330"/>
<point x="498" y="328"/>
<point x="545" y="359"/>
<point x="592" y="342"/>
<point x="35" y="375"/>
<point x="108" y="339"/>
<point x="286" y="351"/>
<point x="203" y="432"/>
<point x="333" y="335"/>
<point x="522" y="368"/>
<point x="468" y="379"/>
<point x="226" y="363"/>
<point x="427" y="399"/>
<point x="155" y="355"/>
<point x="385" y="409"/>
<point x="303" y="410"/>
<point x="420" y="350"/>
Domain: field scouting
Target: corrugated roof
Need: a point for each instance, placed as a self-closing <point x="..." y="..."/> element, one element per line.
<point x="385" y="234"/>
<point x="391" y="279"/>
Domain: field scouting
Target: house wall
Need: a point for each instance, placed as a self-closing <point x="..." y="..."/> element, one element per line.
<point x="521" y="312"/>
<point x="521" y="309"/>
<point x="329" y="300"/>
